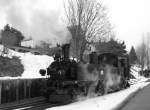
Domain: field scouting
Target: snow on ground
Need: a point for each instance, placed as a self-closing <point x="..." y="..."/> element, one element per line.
<point x="137" y="77"/>
<point x="110" y="101"/>
<point x="32" y="63"/>
<point x="107" y="102"/>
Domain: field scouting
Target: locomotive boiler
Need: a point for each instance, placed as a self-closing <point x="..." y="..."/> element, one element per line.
<point x="68" y="79"/>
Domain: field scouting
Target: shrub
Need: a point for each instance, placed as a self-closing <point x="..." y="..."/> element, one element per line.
<point x="10" y="67"/>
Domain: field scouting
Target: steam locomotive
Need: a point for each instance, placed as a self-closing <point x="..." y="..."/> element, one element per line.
<point x="68" y="79"/>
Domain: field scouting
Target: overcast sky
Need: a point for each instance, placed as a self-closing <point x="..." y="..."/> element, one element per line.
<point x="130" y="18"/>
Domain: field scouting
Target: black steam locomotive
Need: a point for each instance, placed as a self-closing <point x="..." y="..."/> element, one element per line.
<point x="68" y="79"/>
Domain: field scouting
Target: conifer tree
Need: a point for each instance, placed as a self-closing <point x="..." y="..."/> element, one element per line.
<point x="132" y="56"/>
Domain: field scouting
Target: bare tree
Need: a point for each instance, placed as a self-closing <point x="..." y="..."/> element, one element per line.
<point x="147" y="40"/>
<point x="87" y="22"/>
<point x="141" y="55"/>
<point x="143" y="52"/>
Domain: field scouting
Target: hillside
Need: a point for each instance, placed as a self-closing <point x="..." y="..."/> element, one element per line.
<point x="31" y="63"/>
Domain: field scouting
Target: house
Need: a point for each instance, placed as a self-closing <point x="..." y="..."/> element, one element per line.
<point x="28" y="43"/>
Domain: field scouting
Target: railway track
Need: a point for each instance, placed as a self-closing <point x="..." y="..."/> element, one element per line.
<point x="28" y="104"/>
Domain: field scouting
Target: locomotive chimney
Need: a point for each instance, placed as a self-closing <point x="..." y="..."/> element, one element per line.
<point x="65" y="51"/>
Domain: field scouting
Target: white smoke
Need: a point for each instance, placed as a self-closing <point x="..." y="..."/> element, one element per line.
<point x="39" y="19"/>
<point x="111" y="77"/>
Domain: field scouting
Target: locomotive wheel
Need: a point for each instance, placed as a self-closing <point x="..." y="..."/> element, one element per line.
<point x="125" y="84"/>
<point x="62" y="96"/>
<point x="48" y="93"/>
<point x="59" y="98"/>
<point x="100" y="89"/>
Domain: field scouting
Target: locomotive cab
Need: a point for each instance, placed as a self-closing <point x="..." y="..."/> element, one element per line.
<point x="117" y="66"/>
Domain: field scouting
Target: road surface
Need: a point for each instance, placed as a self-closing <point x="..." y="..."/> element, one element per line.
<point x="141" y="101"/>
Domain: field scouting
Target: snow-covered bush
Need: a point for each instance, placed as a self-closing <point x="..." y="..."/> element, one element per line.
<point x="10" y="66"/>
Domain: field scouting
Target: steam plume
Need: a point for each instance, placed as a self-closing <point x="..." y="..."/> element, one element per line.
<point x="36" y="18"/>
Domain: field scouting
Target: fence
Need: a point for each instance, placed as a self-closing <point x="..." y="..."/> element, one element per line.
<point x="17" y="89"/>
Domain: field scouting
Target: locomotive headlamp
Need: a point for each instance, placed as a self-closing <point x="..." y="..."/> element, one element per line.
<point x="102" y="72"/>
<point x="42" y="72"/>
